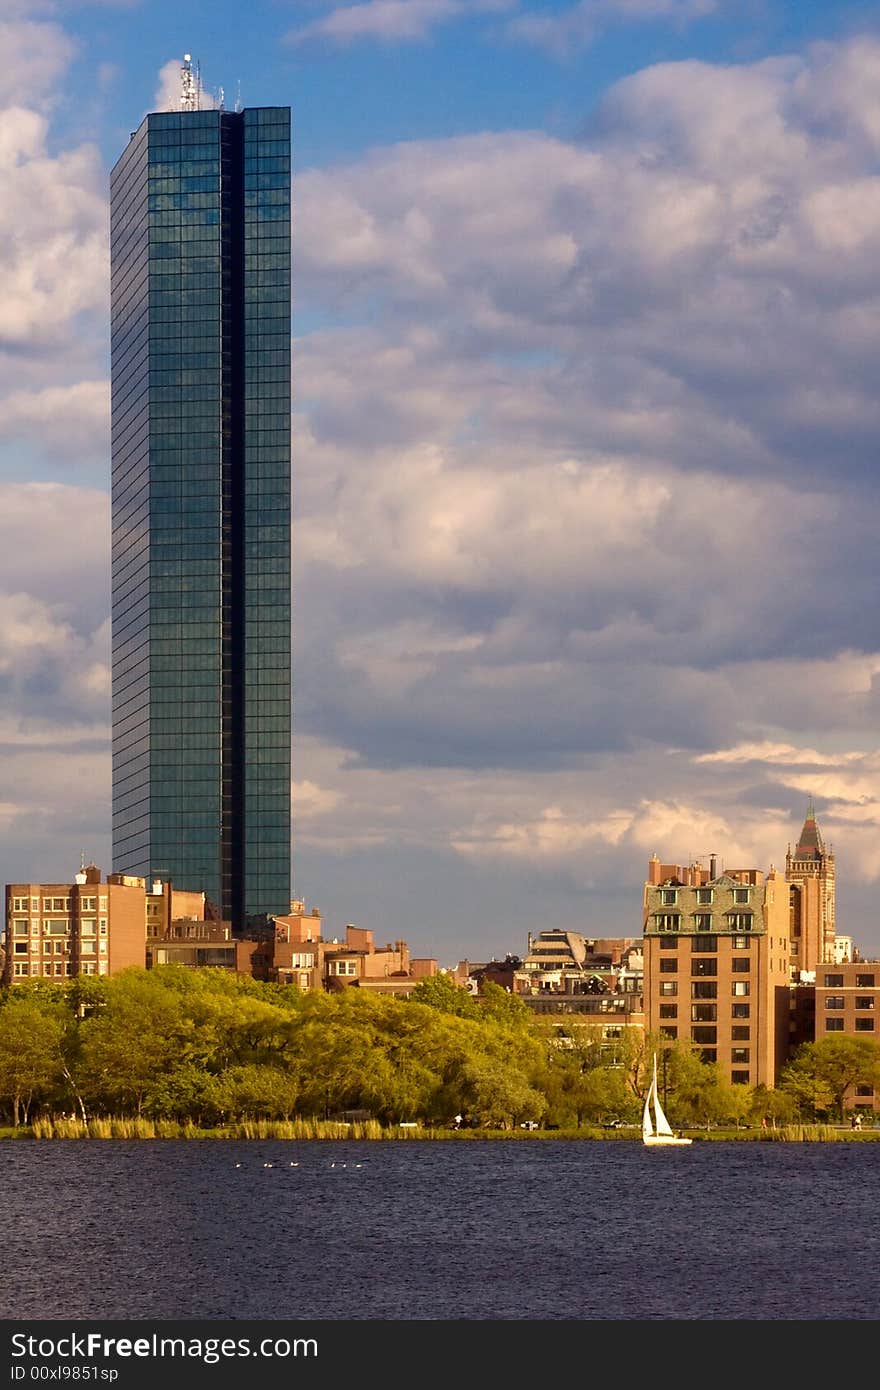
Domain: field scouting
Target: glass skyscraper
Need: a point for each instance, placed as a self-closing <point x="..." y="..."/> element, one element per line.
<point x="201" y="610"/>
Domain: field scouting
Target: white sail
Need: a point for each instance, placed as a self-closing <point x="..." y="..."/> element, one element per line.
<point x="661" y="1124"/>
<point x="657" y="1130"/>
<point x="647" y="1123"/>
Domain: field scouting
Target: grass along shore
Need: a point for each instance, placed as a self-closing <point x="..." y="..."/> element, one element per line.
<point x="119" y="1127"/>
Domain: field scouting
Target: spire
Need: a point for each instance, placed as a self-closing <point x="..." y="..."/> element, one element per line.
<point x="810" y="845"/>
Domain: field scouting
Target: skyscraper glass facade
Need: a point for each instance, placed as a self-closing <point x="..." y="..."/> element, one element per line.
<point x="201" y="620"/>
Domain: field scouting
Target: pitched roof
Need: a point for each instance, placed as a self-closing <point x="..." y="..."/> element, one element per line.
<point x="810" y="845"/>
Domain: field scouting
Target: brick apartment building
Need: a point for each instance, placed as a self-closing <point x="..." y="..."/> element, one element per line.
<point x="716" y="972"/>
<point x="299" y="955"/>
<point x="87" y="927"/>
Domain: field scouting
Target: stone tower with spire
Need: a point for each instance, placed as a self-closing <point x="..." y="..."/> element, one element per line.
<point x="809" y="870"/>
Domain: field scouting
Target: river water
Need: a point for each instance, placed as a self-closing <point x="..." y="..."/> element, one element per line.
<point x="416" y="1229"/>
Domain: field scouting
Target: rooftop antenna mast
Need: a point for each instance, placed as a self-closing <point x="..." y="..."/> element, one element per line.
<point x="190" y="85"/>
<point x="238" y="95"/>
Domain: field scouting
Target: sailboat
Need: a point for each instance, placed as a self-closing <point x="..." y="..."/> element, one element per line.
<point x="656" y="1129"/>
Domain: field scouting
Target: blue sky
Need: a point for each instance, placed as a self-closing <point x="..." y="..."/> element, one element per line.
<point x="586" y="325"/>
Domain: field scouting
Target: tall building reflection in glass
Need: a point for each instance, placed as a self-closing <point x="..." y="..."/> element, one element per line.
<point x="200" y="349"/>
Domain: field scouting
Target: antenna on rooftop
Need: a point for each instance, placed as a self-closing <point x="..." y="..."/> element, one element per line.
<point x="190" y="85"/>
<point x="238" y="95"/>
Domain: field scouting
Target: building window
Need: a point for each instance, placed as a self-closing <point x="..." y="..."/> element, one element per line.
<point x="102" y="926"/>
<point x="21" y="967"/>
<point x="741" y="943"/>
<point x="739" y="1010"/>
<point x="740" y="988"/>
<point x="704" y="989"/>
<point x="704" y="1035"/>
<point x="671" y="1033"/>
<point x="741" y="895"/>
<point x="668" y="965"/>
<point x="89" y="926"/>
<point x="704" y="895"/>
<point x="19" y="929"/>
<point x="704" y="967"/>
<point x="668" y="987"/>
<point x="704" y="943"/>
<point x="739" y="1078"/>
<point x="669" y="897"/>
<point x="833" y="981"/>
<point x="669" y="1011"/>
<point x="740" y="963"/>
<point x="739" y="921"/>
<point x="834" y="1001"/>
<point x="864" y="1090"/>
<point x="864" y="1001"/>
<point x="87" y="948"/>
<point x="20" y="948"/>
<point x="667" y="921"/>
<point x="834" y="1025"/>
<point x="739" y="1033"/>
<point x="739" y="1054"/>
<point x="88" y="904"/>
<point x="703" y="922"/>
<point x="102" y="904"/>
<point x="19" y="904"/>
<point x="864" y="1025"/>
<point x="704" y="1013"/>
<point x="708" y="1055"/>
<point x="669" y="943"/>
<point x="865" y="982"/>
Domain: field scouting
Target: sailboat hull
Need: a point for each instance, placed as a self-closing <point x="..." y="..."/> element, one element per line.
<point x="654" y="1140"/>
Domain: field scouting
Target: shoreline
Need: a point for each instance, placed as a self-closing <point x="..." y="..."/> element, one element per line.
<point x="321" y="1131"/>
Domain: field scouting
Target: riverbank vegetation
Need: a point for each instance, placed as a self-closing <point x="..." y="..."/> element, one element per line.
<point x="178" y="1053"/>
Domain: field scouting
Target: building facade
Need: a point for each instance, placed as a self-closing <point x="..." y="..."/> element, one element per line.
<point x="809" y="869"/>
<point x="201" y="608"/>
<point x="60" y="930"/>
<point x="299" y="955"/>
<point x="716" y="965"/>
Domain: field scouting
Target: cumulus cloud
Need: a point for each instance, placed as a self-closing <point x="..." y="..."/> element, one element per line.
<point x="53" y="235"/>
<point x="34" y="57"/>
<point x="71" y="421"/>
<point x="696" y="273"/>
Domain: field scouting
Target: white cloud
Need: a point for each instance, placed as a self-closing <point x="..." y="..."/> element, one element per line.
<point x="34" y="57"/>
<point x="779" y="754"/>
<point x="68" y="420"/>
<point x="53" y="234"/>
<point x="391" y="21"/>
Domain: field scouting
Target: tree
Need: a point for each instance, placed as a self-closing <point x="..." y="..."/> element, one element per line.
<point x="441" y="992"/>
<point x="31" y="1032"/>
<point x="822" y="1074"/>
